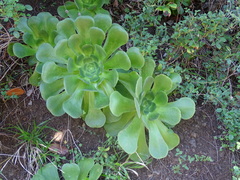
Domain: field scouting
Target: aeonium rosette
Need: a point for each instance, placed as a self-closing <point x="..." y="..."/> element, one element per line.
<point x="144" y="106"/>
<point x="82" y="7"/>
<point x="81" y="71"/>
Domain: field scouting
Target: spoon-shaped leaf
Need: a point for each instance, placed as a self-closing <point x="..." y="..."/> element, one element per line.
<point x="137" y="59"/>
<point x="128" y="137"/>
<point x="157" y="146"/>
<point x="52" y="72"/>
<point x="70" y="171"/>
<point x="186" y="106"/>
<point x="120" y="104"/>
<point x="171" y="138"/>
<point x="162" y="83"/>
<point x="95" y="118"/>
<point x="95" y="172"/>
<point x="85" y="165"/>
<point x="55" y="103"/>
<point x="117" y="36"/>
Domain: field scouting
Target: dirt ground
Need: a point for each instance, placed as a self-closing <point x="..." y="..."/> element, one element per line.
<point x="197" y="134"/>
<point x="197" y="137"/>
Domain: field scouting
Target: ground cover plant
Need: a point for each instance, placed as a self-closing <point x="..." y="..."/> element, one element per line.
<point x="83" y="71"/>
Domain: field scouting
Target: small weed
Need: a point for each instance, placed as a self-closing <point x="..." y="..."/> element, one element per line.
<point x="236" y="173"/>
<point x="32" y="151"/>
<point x="183" y="159"/>
<point x="3" y="94"/>
<point x="12" y="10"/>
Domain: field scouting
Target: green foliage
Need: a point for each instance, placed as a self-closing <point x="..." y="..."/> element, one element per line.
<point x="147" y="107"/>
<point x="85" y="169"/>
<point x="82" y="69"/>
<point x="3" y="94"/>
<point x="82" y="72"/>
<point x="145" y="29"/>
<point x="82" y="7"/>
<point x="33" y="135"/>
<point x="36" y="30"/>
<point x="172" y="6"/>
<point x="236" y="173"/>
<point x="210" y="42"/>
<point x="115" y="161"/>
<point x="183" y="159"/>
<point x="12" y="10"/>
<point x="230" y="136"/>
<point x="201" y="30"/>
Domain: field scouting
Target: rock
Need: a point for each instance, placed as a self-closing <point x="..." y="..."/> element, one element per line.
<point x="193" y="143"/>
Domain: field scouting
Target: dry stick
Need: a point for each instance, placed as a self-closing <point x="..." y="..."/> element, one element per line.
<point x="9" y="68"/>
<point x="209" y="172"/>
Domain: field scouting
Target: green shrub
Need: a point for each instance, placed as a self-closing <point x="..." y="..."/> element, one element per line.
<point x="207" y="49"/>
<point x="12" y="10"/>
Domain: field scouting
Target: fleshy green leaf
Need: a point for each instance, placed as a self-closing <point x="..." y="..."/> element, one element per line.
<point x="120" y="60"/>
<point x="66" y="28"/>
<point x="120" y="104"/>
<point x="55" y="103"/>
<point x="101" y="100"/>
<point x="35" y="78"/>
<point x="129" y="81"/>
<point x="157" y="146"/>
<point x="161" y="98"/>
<point x="70" y="171"/>
<point x="114" y="128"/>
<point x="148" y="68"/>
<point x="169" y="115"/>
<point x="186" y="106"/>
<point x="139" y="87"/>
<point x="83" y="24"/>
<point x="148" y="83"/>
<point x="142" y="150"/>
<point x="103" y="21"/>
<point x="97" y="35"/>
<point x="117" y="36"/>
<point x="137" y="59"/>
<point x="46" y="53"/>
<point x="95" y="172"/>
<point x="75" y="42"/>
<point x="95" y="118"/>
<point x="51" y="89"/>
<point x="85" y="165"/>
<point x="128" y="137"/>
<point x="171" y="138"/>
<point x="176" y="80"/>
<point x="73" y="106"/>
<point x="162" y="83"/>
<point x="52" y="72"/>
<point x="49" y="171"/>
<point x="21" y="51"/>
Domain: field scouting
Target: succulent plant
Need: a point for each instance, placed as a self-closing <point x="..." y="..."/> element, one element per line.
<point x="85" y="169"/>
<point x="36" y="30"/>
<point x="82" y="7"/>
<point x="146" y="106"/>
<point x="81" y="71"/>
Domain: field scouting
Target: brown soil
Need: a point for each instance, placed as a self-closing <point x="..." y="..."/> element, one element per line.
<point x="197" y="137"/>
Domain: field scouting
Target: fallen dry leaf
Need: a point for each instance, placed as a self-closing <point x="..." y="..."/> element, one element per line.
<point x="15" y="91"/>
<point x="58" y="148"/>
